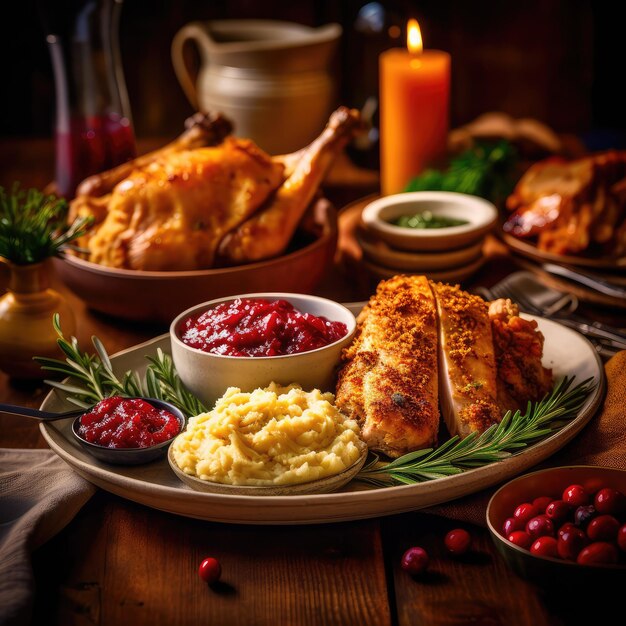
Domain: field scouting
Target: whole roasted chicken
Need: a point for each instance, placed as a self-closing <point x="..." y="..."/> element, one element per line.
<point x="206" y="199"/>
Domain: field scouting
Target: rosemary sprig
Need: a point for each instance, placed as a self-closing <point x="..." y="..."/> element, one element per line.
<point x="93" y="377"/>
<point x="32" y="225"/>
<point x="515" y="431"/>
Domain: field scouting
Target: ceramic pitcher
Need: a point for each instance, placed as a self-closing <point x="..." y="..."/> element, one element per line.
<point x="271" y="78"/>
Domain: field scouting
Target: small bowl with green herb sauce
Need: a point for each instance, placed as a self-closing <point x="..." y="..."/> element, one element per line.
<point x="430" y="220"/>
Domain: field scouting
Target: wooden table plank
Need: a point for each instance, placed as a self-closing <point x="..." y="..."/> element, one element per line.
<point x="122" y="563"/>
<point x="477" y="588"/>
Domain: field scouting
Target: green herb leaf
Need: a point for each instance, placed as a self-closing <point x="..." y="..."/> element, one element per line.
<point x="514" y="432"/>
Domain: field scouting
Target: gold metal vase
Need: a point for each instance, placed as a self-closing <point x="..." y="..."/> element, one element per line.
<point x="26" y="311"/>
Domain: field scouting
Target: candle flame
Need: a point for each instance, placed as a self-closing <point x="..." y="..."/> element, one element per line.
<point x="414" y="37"/>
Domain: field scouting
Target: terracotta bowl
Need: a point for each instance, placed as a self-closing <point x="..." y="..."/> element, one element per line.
<point x="551" y="572"/>
<point x="160" y="296"/>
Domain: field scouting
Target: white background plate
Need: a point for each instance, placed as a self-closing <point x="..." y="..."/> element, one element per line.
<point x="155" y="485"/>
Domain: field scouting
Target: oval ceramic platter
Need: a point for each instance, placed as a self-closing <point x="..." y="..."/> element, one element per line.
<point x="155" y="485"/>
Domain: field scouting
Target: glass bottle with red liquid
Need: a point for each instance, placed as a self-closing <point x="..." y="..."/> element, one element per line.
<point x="93" y="123"/>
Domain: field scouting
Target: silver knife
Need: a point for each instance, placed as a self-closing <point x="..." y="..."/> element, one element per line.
<point x="589" y="280"/>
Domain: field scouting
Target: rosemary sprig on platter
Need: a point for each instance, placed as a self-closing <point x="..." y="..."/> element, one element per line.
<point x="94" y="379"/>
<point x="515" y="431"/>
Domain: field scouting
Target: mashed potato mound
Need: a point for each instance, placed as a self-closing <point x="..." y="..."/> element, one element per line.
<point x="272" y="436"/>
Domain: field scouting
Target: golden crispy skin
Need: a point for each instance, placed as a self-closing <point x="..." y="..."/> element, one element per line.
<point x="467" y="377"/>
<point x="518" y="347"/>
<point x="389" y="380"/>
<point x="172" y="214"/>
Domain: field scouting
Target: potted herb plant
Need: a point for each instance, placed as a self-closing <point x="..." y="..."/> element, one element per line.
<point x="33" y="228"/>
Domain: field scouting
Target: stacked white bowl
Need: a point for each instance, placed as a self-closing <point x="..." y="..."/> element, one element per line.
<point x="451" y="253"/>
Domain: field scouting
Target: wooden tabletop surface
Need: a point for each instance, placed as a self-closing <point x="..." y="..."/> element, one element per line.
<point x="122" y="563"/>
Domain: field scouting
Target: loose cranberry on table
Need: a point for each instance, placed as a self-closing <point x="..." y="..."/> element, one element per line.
<point x="210" y="570"/>
<point x="545" y="546"/>
<point x="603" y="528"/>
<point x="540" y="526"/>
<point x="415" y="560"/>
<point x="576" y="495"/>
<point x="570" y="542"/>
<point x="598" y="553"/>
<point x="610" y="502"/>
<point x="458" y="541"/>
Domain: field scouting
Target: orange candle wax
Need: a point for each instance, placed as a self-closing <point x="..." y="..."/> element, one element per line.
<point x="414" y="103"/>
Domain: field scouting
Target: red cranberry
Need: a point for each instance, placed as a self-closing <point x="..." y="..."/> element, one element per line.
<point x="458" y="541"/>
<point x="621" y="538"/>
<point x="571" y="541"/>
<point x="210" y="570"/>
<point x="598" y="553"/>
<point x="544" y="546"/>
<point x="558" y="511"/>
<point x="525" y="512"/>
<point x="520" y="538"/>
<point x="540" y="526"/>
<point x="603" y="528"/>
<point x="567" y="526"/>
<point x="610" y="502"/>
<point x="510" y="525"/>
<point x="576" y="495"/>
<point x="542" y="502"/>
<point x="415" y="560"/>
<point x="583" y="515"/>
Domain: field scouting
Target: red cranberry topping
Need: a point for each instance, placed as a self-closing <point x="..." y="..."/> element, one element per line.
<point x="610" y="502"/>
<point x="567" y="526"/>
<point x="576" y="495"/>
<point x="520" y="538"/>
<point x="571" y="541"/>
<point x="540" y="526"/>
<point x="544" y="546"/>
<point x="127" y="423"/>
<point x="621" y="538"/>
<point x="525" y="512"/>
<point x="258" y="327"/>
<point x="542" y="503"/>
<point x="599" y="553"/>
<point x="558" y="511"/>
<point x="603" y="528"/>
<point x="415" y="560"/>
<point x="511" y="524"/>
<point x="458" y="541"/>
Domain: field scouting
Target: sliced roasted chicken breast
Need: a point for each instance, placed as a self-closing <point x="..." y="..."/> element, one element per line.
<point x="389" y="380"/>
<point x="467" y="379"/>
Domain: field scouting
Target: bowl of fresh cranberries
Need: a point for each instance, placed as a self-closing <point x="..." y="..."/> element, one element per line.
<point x="559" y="524"/>
<point x="251" y="340"/>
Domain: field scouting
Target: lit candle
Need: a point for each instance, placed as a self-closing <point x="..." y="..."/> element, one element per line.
<point x="414" y="103"/>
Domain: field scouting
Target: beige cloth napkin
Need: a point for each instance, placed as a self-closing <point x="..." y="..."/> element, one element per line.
<point x="39" y="495"/>
<point x="602" y="442"/>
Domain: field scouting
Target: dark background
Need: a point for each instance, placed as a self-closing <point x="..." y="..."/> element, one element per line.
<point x="559" y="61"/>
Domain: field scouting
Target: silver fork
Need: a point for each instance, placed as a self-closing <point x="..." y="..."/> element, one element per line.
<point x="605" y="338"/>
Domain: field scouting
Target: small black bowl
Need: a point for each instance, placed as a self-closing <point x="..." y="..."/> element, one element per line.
<point x="131" y="456"/>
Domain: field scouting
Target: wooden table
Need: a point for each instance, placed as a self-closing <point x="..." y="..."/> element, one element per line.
<point x="121" y="563"/>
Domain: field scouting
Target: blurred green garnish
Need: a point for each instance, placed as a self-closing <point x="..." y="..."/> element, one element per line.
<point x="486" y="170"/>
<point x="33" y="226"/>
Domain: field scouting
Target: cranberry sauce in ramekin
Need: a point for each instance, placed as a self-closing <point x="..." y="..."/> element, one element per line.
<point x="258" y="327"/>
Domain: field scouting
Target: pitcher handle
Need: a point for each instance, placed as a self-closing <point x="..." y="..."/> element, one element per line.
<point x="196" y="32"/>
